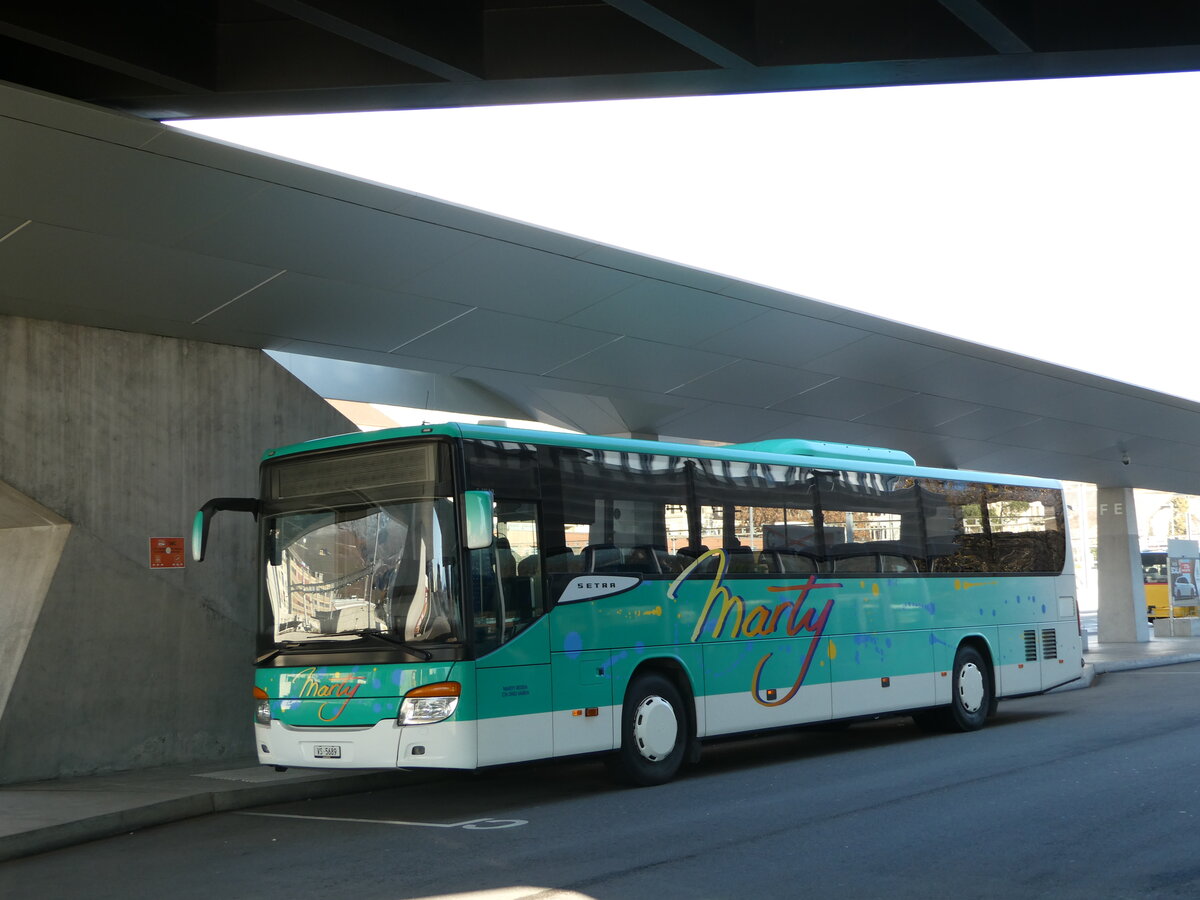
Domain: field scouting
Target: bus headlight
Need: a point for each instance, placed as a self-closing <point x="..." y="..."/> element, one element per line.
<point x="262" y="707"/>
<point x="430" y="703"/>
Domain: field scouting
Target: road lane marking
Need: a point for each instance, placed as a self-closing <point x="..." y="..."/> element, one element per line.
<point x="469" y="825"/>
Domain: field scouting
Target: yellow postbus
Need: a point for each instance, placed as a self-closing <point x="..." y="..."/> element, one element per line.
<point x="1154" y="576"/>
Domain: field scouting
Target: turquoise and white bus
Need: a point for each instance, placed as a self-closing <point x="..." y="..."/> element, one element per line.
<point x="458" y="596"/>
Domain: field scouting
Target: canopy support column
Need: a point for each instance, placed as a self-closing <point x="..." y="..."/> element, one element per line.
<point x="1122" y="606"/>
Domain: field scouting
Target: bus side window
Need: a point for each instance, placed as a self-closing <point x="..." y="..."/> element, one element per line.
<point x="762" y="516"/>
<point x="873" y="524"/>
<point x="520" y="563"/>
<point x="612" y="512"/>
<point x="954" y="532"/>
<point x="1027" y="529"/>
<point x="506" y="585"/>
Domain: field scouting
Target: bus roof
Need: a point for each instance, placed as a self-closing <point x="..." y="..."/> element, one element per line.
<point x="783" y="451"/>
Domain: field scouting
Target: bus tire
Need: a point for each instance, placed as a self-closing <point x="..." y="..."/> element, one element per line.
<point x="973" y="697"/>
<point x="654" y="735"/>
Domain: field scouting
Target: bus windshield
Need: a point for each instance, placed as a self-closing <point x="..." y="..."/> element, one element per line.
<point x="377" y="570"/>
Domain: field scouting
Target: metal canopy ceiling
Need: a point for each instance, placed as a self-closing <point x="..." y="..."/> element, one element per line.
<point x="204" y="58"/>
<point x="113" y="221"/>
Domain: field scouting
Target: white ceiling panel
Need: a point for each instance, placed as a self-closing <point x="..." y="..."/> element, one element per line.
<point x="642" y="365"/>
<point x="655" y="269"/>
<point x="890" y="361"/>
<point x="509" y="231"/>
<point x="1050" y="397"/>
<point x="336" y="312"/>
<point x="660" y="311"/>
<point x="326" y="237"/>
<point x="1015" y="461"/>
<point x="1061" y="436"/>
<point x="1153" y="452"/>
<point x="58" y="265"/>
<point x="920" y="412"/>
<point x="1166" y="422"/>
<point x="8" y="224"/>
<point x="1095" y="405"/>
<point x="844" y="398"/>
<point x="752" y="384"/>
<point x="968" y="378"/>
<point x="773" y="298"/>
<point x="510" y="343"/>
<point x="986" y="422"/>
<point x="519" y="280"/>
<point x="135" y="226"/>
<point x="263" y="169"/>
<point x="785" y="339"/>
<point x="49" y="186"/>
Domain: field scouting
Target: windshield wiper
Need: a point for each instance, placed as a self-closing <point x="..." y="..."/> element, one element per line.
<point x="390" y="639"/>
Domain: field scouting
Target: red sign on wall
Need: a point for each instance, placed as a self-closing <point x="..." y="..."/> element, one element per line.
<point x="166" y="553"/>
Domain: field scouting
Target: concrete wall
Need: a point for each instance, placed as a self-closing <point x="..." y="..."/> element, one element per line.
<point x="32" y="539"/>
<point x="117" y="438"/>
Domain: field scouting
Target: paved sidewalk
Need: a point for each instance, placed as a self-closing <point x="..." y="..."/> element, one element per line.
<point x="1160" y="651"/>
<point x="47" y="815"/>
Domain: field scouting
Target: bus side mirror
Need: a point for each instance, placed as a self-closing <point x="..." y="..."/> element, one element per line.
<point x="204" y="516"/>
<point x="477" y="515"/>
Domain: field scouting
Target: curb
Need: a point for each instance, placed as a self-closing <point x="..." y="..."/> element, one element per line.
<point x="1124" y="665"/>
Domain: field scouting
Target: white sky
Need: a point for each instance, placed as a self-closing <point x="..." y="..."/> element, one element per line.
<point x="1057" y="219"/>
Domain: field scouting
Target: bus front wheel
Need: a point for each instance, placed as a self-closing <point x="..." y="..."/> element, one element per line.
<point x="653" y="732"/>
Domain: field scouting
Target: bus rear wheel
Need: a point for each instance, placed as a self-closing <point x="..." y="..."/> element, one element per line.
<point x="972" y="695"/>
<point x="653" y="732"/>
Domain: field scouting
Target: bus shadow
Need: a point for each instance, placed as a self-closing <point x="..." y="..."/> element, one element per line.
<point x="835" y="739"/>
<point x="452" y="796"/>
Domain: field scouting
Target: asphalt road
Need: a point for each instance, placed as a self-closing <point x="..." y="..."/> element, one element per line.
<point x="1092" y="793"/>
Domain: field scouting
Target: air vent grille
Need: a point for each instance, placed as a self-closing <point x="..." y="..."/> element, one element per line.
<point x="1030" y="646"/>
<point x="1049" y="643"/>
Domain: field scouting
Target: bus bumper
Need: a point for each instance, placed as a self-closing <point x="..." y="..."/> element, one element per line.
<point x="385" y="745"/>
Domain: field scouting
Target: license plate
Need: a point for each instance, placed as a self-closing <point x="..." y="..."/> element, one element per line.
<point x="327" y="751"/>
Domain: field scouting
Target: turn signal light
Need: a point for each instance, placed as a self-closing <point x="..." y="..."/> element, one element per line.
<point x="440" y="689"/>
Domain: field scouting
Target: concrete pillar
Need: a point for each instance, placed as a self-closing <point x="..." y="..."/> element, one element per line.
<point x="1122" y="607"/>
